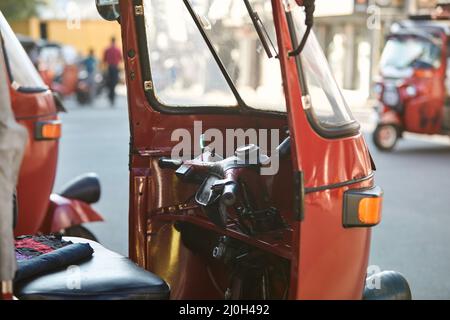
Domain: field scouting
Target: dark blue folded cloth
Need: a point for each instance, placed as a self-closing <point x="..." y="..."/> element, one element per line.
<point x="49" y="262"/>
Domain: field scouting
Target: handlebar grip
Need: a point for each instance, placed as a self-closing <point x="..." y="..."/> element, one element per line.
<point x="167" y="163"/>
<point x="229" y="194"/>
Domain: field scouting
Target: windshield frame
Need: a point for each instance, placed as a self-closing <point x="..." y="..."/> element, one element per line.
<point x="349" y="129"/>
<point x="158" y="105"/>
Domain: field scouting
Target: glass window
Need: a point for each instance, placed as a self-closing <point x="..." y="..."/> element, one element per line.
<point x="229" y="26"/>
<point x="23" y="72"/>
<point x="416" y="52"/>
<point x="183" y="69"/>
<point x="327" y="101"/>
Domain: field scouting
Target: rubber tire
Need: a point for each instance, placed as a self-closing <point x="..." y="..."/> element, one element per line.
<point x="79" y="232"/>
<point x="394" y="286"/>
<point x="375" y="137"/>
<point x="83" y="98"/>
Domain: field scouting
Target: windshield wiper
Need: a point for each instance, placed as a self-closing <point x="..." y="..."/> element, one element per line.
<point x="262" y="32"/>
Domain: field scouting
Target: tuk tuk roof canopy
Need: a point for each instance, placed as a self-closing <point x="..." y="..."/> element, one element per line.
<point x="424" y="23"/>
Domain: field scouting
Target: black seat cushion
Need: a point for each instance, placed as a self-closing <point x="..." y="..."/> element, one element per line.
<point x="106" y="276"/>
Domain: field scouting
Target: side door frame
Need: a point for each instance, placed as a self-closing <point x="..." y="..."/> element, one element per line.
<point x="325" y="251"/>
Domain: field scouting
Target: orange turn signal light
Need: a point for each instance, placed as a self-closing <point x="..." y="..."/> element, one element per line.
<point x="424" y="73"/>
<point x="362" y="207"/>
<point x="48" y="130"/>
<point x="369" y="211"/>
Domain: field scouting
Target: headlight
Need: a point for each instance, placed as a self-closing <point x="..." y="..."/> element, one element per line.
<point x="411" y="91"/>
<point x="391" y="97"/>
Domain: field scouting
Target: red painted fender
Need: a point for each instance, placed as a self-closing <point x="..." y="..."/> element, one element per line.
<point x="64" y="213"/>
<point x="391" y="117"/>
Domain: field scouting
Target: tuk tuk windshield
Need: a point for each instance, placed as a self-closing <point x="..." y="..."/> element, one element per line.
<point x="183" y="67"/>
<point x="403" y="52"/>
<point x="22" y="71"/>
<point x="327" y="102"/>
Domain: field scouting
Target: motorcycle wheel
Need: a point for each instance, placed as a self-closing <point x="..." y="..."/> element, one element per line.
<point x="83" y="98"/>
<point x="385" y="137"/>
<point x="79" y="232"/>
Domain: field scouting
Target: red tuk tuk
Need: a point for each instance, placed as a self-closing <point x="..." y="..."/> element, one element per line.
<point x="36" y="108"/>
<point x="243" y="226"/>
<point x="414" y="85"/>
<point x="301" y="233"/>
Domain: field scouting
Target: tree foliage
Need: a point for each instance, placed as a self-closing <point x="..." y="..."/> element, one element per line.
<point x="19" y="9"/>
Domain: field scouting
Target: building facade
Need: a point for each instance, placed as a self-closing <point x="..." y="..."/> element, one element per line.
<point x="351" y="32"/>
<point x="74" y="23"/>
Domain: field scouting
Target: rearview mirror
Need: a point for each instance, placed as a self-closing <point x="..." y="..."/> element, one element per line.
<point x="84" y="188"/>
<point x="108" y="9"/>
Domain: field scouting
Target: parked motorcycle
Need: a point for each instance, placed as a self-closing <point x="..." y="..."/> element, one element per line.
<point x="88" y="89"/>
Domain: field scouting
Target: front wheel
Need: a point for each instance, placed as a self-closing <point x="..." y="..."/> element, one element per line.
<point x="79" y="232"/>
<point x="83" y="97"/>
<point x="385" y="137"/>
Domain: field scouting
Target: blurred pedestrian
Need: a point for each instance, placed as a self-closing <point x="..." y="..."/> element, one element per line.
<point x="112" y="58"/>
<point x="90" y="64"/>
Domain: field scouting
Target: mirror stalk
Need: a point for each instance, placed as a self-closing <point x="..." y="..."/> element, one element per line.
<point x="310" y="7"/>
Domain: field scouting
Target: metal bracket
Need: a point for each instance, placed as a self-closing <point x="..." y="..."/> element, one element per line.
<point x="139" y="10"/>
<point x="148" y="85"/>
<point x="307" y="103"/>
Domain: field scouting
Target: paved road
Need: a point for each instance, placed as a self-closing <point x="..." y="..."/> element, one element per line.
<point x="96" y="140"/>
<point x="414" y="237"/>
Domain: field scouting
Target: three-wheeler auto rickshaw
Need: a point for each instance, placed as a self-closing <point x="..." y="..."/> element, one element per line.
<point x="414" y="85"/>
<point x="233" y="224"/>
<point x="301" y="233"/>
<point x="36" y="108"/>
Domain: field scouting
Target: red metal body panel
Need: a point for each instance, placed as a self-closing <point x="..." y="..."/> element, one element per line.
<point x="39" y="211"/>
<point x="38" y="169"/>
<point x="63" y="213"/>
<point x="327" y="261"/>
<point x="389" y="116"/>
<point x="331" y="261"/>
<point x="423" y="115"/>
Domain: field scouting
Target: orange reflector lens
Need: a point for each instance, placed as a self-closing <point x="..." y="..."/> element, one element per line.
<point x="362" y="207"/>
<point x="51" y="130"/>
<point x="423" y="73"/>
<point x="369" y="211"/>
